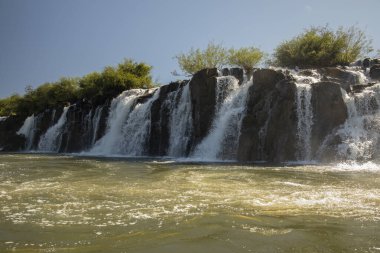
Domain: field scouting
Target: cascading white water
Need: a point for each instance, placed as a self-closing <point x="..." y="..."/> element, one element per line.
<point x="304" y="114"/>
<point x="360" y="133"/>
<point x="119" y="110"/>
<point x="180" y="124"/>
<point x="3" y="118"/>
<point x="28" y="130"/>
<point x="226" y="124"/>
<point x="95" y="123"/>
<point x="224" y="86"/>
<point x="51" y="140"/>
<point x="137" y="129"/>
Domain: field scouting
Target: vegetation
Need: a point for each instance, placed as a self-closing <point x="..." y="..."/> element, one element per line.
<point x="95" y="88"/>
<point x="245" y="58"/>
<point x="323" y="47"/>
<point x="216" y="56"/>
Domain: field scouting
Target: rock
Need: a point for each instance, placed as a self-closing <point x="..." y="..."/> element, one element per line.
<point x="374" y="72"/>
<point x="160" y="119"/>
<point x="9" y="140"/>
<point x="268" y="130"/>
<point x="203" y="98"/>
<point x="329" y="111"/>
<point x="339" y="75"/>
<point x="238" y="73"/>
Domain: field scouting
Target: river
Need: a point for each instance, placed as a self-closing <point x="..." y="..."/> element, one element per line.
<point x="61" y="203"/>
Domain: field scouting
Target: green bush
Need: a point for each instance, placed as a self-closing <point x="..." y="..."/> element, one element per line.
<point x="245" y="57"/>
<point x="322" y="47"/>
<point x="214" y="56"/>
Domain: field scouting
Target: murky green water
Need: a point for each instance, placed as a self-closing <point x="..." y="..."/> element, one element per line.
<point x="71" y="204"/>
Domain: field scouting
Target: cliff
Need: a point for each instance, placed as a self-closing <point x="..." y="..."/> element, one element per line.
<point x="279" y="115"/>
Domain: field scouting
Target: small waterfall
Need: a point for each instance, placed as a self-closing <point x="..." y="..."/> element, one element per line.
<point x="180" y="124"/>
<point x="28" y="130"/>
<point x="120" y="107"/>
<point x="360" y="133"/>
<point x="3" y="118"/>
<point x="137" y="130"/>
<point x="304" y="114"/>
<point x="95" y="123"/>
<point x="51" y="140"/>
<point x="225" y="130"/>
<point x="224" y="86"/>
<point x="127" y="125"/>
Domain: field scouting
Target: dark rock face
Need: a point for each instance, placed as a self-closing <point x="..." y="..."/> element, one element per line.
<point x="375" y="72"/>
<point x="75" y="136"/>
<point x="238" y="73"/>
<point x="329" y="111"/>
<point x="9" y="140"/>
<point x="268" y="130"/>
<point x="345" y="78"/>
<point x="203" y="98"/>
<point x="160" y="118"/>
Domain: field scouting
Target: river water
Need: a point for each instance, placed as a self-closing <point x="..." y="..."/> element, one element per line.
<point x="51" y="203"/>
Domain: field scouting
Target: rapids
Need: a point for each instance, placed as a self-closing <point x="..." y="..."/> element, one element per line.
<point x="51" y="203"/>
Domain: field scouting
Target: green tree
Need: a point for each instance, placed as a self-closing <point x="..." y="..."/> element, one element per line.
<point x="245" y="57"/>
<point x="214" y="56"/>
<point x="322" y="47"/>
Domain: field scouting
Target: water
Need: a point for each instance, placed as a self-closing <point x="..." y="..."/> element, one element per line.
<point x="28" y="130"/>
<point x="119" y="111"/>
<point x="54" y="203"/>
<point x="51" y="140"/>
<point x="224" y="134"/>
<point x="180" y="124"/>
<point x="304" y="114"/>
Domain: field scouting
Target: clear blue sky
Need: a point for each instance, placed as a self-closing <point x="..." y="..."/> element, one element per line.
<point x="43" y="40"/>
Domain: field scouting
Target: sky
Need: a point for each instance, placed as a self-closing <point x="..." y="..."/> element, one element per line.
<point x="43" y="40"/>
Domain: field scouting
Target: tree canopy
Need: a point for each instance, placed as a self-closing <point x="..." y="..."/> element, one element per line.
<point x="95" y="87"/>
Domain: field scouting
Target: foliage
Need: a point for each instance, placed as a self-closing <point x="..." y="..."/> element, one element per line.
<point x="245" y="57"/>
<point x="214" y="56"/>
<point x="322" y="47"/>
<point x="95" y="87"/>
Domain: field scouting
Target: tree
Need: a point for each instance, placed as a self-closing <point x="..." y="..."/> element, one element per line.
<point x="323" y="47"/>
<point x="245" y="57"/>
<point x="214" y="56"/>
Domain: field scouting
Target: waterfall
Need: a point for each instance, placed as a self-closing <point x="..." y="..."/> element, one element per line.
<point x="137" y="129"/>
<point x="95" y="124"/>
<point x="180" y="124"/>
<point x="304" y="114"/>
<point x="51" y="140"/>
<point x="126" y="125"/>
<point x="3" y="118"/>
<point x="28" y="130"/>
<point x="226" y="124"/>
<point x="360" y="133"/>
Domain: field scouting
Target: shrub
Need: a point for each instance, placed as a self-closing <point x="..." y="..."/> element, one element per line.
<point x="245" y="57"/>
<point x="214" y="56"/>
<point x="322" y="47"/>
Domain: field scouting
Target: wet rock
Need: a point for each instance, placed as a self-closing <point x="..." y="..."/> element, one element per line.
<point x="203" y="98"/>
<point x="268" y="130"/>
<point x="375" y="72"/>
<point x="345" y="78"/>
<point x="160" y="119"/>
<point x="329" y="111"/>
<point x="238" y="73"/>
<point x="9" y="140"/>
